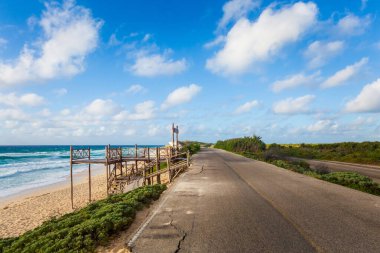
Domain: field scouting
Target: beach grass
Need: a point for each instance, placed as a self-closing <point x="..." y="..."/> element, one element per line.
<point x="85" y="229"/>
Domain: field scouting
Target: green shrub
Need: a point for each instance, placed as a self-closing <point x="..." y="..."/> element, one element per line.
<point x="252" y="144"/>
<point x="355" y="152"/>
<point x="85" y="229"/>
<point x="192" y="147"/>
<point x="353" y="180"/>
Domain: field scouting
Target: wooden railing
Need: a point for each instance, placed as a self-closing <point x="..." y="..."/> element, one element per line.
<point x="81" y="153"/>
<point x="174" y="165"/>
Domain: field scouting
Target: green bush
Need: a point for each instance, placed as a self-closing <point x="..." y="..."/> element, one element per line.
<point x="85" y="229"/>
<point x="354" y="152"/>
<point x="192" y="147"/>
<point x="353" y="180"/>
<point x="252" y="144"/>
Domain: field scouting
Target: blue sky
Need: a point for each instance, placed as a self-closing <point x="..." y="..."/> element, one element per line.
<point x="91" y="72"/>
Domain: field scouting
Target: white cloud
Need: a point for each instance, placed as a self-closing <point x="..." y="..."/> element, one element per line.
<point x="345" y="74"/>
<point x="70" y="34"/>
<point x="295" y="81"/>
<point x="322" y="125"/>
<point x="353" y="25"/>
<point x="45" y="112"/>
<point x="130" y="132"/>
<point x="135" y="88"/>
<point x="143" y="111"/>
<point x="181" y="95"/>
<point x="236" y="9"/>
<point x="13" y="114"/>
<point x="246" y="107"/>
<point x="153" y="130"/>
<point x="248" y="42"/>
<point x="100" y="108"/>
<point x="293" y="105"/>
<point x="319" y="52"/>
<point x="368" y="99"/>
<point x="217" y="41"/>
<point x="60" y="92"/>
<point x="29" y="99"/>
<point x="65" y="112"/>
<point x="157" y="64"/>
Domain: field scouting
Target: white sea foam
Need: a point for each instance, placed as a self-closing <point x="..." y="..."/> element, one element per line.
<point x="20" y="171"/>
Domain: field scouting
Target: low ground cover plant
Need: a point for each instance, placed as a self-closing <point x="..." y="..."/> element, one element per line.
<point x="85" y="229"/>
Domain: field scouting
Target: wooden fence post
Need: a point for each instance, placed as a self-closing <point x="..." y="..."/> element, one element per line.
<point x="136" y="158"/>
<point x="71" y="176"/>
<point x="158" y="165"/>
<point x="144" y="175"/>
<point x="107" y="168"/>
<point x="89" y="175"/>
<point x="177" y="144"/>
<point x="188" y="158"/>
<point x="169" y="169"/>
<point x="173" y="135"/>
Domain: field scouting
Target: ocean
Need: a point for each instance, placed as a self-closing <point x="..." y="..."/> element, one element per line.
<point x="26" y="167"/>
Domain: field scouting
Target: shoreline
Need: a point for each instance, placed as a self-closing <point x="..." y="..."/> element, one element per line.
<point x="78" y="178"/>
<point x="24" y="211"/>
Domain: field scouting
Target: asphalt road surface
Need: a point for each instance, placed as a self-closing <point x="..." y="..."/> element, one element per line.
<point x="228" y="203"/>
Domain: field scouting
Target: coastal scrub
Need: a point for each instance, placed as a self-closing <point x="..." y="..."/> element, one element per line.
<point x="87" y="228"/>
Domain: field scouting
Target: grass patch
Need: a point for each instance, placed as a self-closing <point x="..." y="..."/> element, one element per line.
<point x="87" y="228"/>
<point x="163" y="166"/>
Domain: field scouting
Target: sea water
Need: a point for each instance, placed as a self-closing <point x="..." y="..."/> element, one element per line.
<point x="23" y="168"/>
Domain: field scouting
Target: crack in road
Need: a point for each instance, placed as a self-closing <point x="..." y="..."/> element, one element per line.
<point x="180" y="231"/>
<point x="199" y="172"/>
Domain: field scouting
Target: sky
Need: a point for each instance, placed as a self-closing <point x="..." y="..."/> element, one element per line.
<point x="121" y="72"/>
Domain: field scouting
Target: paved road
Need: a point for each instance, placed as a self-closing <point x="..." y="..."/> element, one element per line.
<point x="228" y="203"/>
<point x="367" y="170"/>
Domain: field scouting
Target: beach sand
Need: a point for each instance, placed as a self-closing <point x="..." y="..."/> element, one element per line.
<point x="27" y="211"/>
<point x="23" y="213"/>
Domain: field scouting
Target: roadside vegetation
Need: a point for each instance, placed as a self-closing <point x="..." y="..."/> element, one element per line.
<point x="246" y="144"/>
<point x="87" y="228"/>
<point x="352" y="152"/>
<point x="254" y="148"/>
<point x="192" y="146"/>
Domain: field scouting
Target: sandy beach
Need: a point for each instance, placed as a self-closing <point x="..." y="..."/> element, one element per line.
<point x="24" y="212"/>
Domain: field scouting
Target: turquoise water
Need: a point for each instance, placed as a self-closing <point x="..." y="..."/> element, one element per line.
<point x="27" y="167"/>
